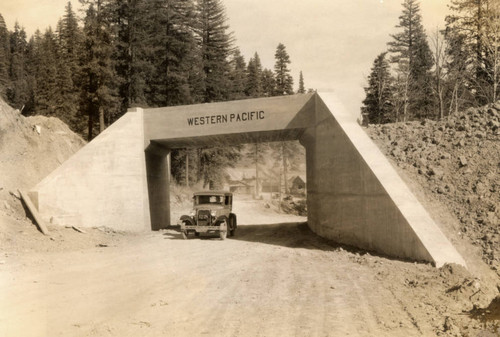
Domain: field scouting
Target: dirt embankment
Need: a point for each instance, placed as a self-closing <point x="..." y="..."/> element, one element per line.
<point x="30" y="148"/>
<point x="457" y="162"/>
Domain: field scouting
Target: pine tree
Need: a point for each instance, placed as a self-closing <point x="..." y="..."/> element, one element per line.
<point x="284" y="81"/>
<point x="215" y="46"/>
<point x="45" y="74"/>
<point x="302" y="89"/>
<point x="289" y="86"/>
<point x="131" y="62"/>
<point x="4" y="58"/>
<point x="473" y="29"/>
<point x="98" y="79"/>
<point x="32" y="58"/>
<point x="268" y="83"/>
<point x="170" y="31"/>
<point x="53" y="93"/>
<point x="256" y="153"/>
<point x="493" y="51"/>
<point x="413" y="58"/>
<point x="254" y="77"/>
<point x="439" y="73"/>
<point x="69" y="38"/>
<point x="66" y="98"/>
<point x="196" y="76"/>
<point x="184" y="166"/>
<point x="18" y="94"/>
<point x="237" y="75"/>
<point x="212" y="163"/>
<point x="176" y="71"/>
<point x="286" y="156"/>
<point x="460" y="95"/>
<point x="377" y="106"/>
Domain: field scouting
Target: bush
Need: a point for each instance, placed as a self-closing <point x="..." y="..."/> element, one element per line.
<point x="297" y="207"/>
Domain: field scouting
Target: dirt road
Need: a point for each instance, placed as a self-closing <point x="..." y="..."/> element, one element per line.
<point x="269" y="280"/>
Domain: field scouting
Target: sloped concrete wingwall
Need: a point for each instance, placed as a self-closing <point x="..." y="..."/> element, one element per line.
<point x="356" y="197"/>
<point x="103" y="184"/>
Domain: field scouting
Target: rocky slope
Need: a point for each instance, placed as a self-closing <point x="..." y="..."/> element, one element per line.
<point x="456" y="161"/>
<point x="30" y="148"/>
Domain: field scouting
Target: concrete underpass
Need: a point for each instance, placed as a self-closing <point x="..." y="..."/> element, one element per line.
<point x="354" y="196"/>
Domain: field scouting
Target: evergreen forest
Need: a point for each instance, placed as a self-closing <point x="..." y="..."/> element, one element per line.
<point x="423" y="76"/>
<point x="117" y="54"/>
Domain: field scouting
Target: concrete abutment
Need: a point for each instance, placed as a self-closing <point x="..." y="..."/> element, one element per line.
<point x="158" y="177"/>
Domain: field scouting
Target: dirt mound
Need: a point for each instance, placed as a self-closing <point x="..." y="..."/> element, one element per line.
<point x="457" y="161"/>
<point x="30" y="148"/>
<point x="295" y="206"/>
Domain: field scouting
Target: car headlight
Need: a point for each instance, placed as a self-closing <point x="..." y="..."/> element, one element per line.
<point x="213" y="213"/>
<point x="192" y="213"/>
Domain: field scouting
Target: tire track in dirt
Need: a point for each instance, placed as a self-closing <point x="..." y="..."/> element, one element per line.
<point x="269" y="280"/>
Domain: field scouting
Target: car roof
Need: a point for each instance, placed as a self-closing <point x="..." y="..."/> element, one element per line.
<point x="213" y="193"/>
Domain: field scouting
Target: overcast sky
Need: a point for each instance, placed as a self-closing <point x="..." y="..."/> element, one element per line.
<point x="333" y="42"/>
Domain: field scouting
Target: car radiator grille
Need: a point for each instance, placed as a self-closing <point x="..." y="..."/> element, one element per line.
<point x="203" y="217"/>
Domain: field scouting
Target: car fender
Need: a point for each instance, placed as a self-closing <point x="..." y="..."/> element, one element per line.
<point x="221" y="219"/>
<point x="188" y="219"/>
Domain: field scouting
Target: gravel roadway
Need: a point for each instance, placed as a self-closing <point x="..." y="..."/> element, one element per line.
<point x="274" y="278"/>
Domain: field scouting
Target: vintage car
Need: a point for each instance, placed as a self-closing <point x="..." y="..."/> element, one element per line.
<point x="211" y="214"/>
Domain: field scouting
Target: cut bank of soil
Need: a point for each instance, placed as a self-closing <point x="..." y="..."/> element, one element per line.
<point x="32" y="147"/>
<point x="457" y="163"/>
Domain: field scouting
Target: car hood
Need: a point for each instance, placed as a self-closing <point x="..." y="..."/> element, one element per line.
<point x="209" y="207"/>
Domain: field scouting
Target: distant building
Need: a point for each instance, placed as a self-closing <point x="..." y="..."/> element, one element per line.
<point x="239" y="187"/>
<point x="270" y="186"/>
<point x="297" y="185"/>
<point x="240" y="180"/>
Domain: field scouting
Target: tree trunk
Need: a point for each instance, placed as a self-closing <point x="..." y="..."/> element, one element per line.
<point x="441" y="104"/>
<point x="438" y="56"/>
<point x="200" y="168"/>
<point x="405" y="103"/>
<point x="496" y="66"/>
<point x="496" y="48"/>
<point x="187" y="169"/>
<point x="280" y="197"/>
<point x="102" y="125"/>
<point x="479" y="44"/>
<point x="90" y="124"/>
<point x="450" y="107"/>
<point x="284" y="167"/>
<point x="256" y="170"/>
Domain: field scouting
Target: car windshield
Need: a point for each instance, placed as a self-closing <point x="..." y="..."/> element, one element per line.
<point x="209" y="199"/>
